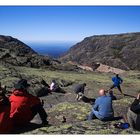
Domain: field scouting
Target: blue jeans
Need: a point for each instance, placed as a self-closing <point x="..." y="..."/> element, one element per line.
<point x="94" y="114"/>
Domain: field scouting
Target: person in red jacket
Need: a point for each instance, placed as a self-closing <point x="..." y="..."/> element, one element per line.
<point x="25" y="106"/>
<point x="5" y="122"/>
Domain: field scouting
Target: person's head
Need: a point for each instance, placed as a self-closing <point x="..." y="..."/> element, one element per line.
<point x="102" y="92"/>
<point x="22" y="84"/>
<point x="53" y="81"/>
<point x="84" y="84"/>
<point x="111" y="92"/>
<point x="117" y="75"/>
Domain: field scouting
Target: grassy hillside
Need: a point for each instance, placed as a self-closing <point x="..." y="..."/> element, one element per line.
<point x="94" y="80"/>
<point x="59" y="105"/>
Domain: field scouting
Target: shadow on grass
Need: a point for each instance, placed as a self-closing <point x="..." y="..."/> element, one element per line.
<point x="129" y="96"/>
<point x="113" y="119"/>
<point x="88" y="100"/>
<point x="27" y="128"/>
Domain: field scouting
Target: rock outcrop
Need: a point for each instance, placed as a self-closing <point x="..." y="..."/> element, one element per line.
<point x="15" y="53"/>
<point x="120" y="51"/>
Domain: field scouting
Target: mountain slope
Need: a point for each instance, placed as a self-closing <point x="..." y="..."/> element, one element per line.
<point x="58" y="105"/>
<point x="120" y="51"/>
<point x="15" y="52"/>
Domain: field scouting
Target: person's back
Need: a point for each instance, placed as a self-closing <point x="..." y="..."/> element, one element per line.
<point x="25" y="106"/>
<point x="117" y="81"/>
<point x="21" y="104"/>
<point x="102" y="109"/>
<point x="79" y="88"/>
<point x="103" y="105"/>
<point x="54" y="86"/>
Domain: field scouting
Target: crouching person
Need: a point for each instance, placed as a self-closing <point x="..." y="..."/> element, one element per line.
<point x="102" y="109"/>
<point x="133" y="114"/>
<point x="5" y="121"/>
<point x="79" y="90"/>
<point x="25" y="106"/>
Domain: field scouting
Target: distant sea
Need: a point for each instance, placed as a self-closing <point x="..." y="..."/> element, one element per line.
<point x="52" y="49"/>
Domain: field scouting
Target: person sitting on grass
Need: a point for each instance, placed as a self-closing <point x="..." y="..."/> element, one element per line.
<point x="79" y="90"/>
<point x="117" y="81"/>
<point x="54" y="87"/>
<point x="133" y="114"/>
<point x="25" y="106"/>
<point x="43" y="91"/>
<point x="102" y="109"/>
<point x="112" y="95"/>
<point x="6" y="126"/>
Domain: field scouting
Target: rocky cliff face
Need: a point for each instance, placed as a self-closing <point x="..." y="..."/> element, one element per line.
<point x="120" y="51"/>
<point x="15" y="52"/>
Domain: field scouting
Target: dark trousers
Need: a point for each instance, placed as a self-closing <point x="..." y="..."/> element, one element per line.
<point x="119" y="87"/>
<point x="59" y="90"/>
<point x="40" y="110"/>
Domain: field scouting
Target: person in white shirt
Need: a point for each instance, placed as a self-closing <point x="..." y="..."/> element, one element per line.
<point x="54" y="87"/>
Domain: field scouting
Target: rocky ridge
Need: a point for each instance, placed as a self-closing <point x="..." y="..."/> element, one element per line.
<point x="119" y="50"/>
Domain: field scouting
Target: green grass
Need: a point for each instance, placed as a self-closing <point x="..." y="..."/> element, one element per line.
<point x="2" y="68"/>
<point x="73" y="76"/>
<point x="94" y="80"/>
<point x="77" y="111"/>
<point x="89" y="76"/>
<point x="9" y="79"/>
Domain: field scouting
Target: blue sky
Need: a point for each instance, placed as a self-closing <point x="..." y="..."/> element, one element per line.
<point x="49" y="24"/>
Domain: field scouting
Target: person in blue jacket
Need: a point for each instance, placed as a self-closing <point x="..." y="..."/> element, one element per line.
<point x="117" y="81"/>
<point x="102" y="109"/>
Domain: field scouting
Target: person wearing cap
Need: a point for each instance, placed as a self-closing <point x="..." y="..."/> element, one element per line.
<point x="117" y="81"/>
<point x="25" y="106"/>
<point x="79" y="90"/>
<point x="102" y="109"/>
<point x="5" y="121"/>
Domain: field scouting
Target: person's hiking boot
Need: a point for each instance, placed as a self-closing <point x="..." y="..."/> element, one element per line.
<point x="80" y="98"/>
<point x="77" y="97"/>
